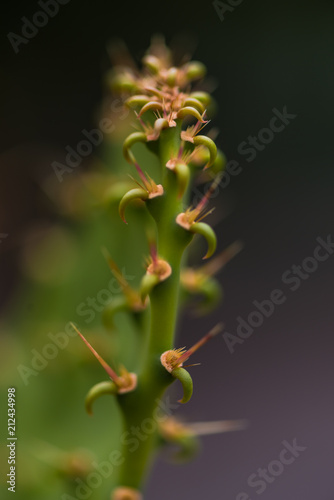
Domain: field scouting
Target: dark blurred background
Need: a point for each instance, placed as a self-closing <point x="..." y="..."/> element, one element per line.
<point x="262" y="55"/>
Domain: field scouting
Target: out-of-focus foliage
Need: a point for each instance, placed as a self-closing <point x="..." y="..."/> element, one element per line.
<point x="66" y="278"/>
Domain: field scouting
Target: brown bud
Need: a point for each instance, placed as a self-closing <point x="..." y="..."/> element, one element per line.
<point x="125" y="493"/>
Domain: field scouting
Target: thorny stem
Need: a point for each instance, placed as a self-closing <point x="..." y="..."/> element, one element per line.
<point x="162" y="94"/>
<point x="152" y="382"/>
<point x="172" y="241"/>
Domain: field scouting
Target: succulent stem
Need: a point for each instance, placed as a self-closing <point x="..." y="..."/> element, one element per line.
<point x="162" y="97"/>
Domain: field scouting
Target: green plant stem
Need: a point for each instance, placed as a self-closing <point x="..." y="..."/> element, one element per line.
<point x="141" y="406"/>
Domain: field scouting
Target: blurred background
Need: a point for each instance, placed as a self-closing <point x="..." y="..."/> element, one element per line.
<point x="262" y="57"/>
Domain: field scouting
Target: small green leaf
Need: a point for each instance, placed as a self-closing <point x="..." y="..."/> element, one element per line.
<point x="183" y="175"/>
<point x="195" y="103"/>
<point x="137" y="100"/>
<point x="187" y="383"/>
<point x="129" y="142"/>
<point x="208" y="233"/>
<point x="151" y="106"/>
<point x="203" y="97"/>
<point x="133" y="194"/>
<point x="99" y="390"/>
<point x="194" y="70"/>
<point x="148" y="282"/>
<point x="203" y="140"/>
<point x="190" y="111"/>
